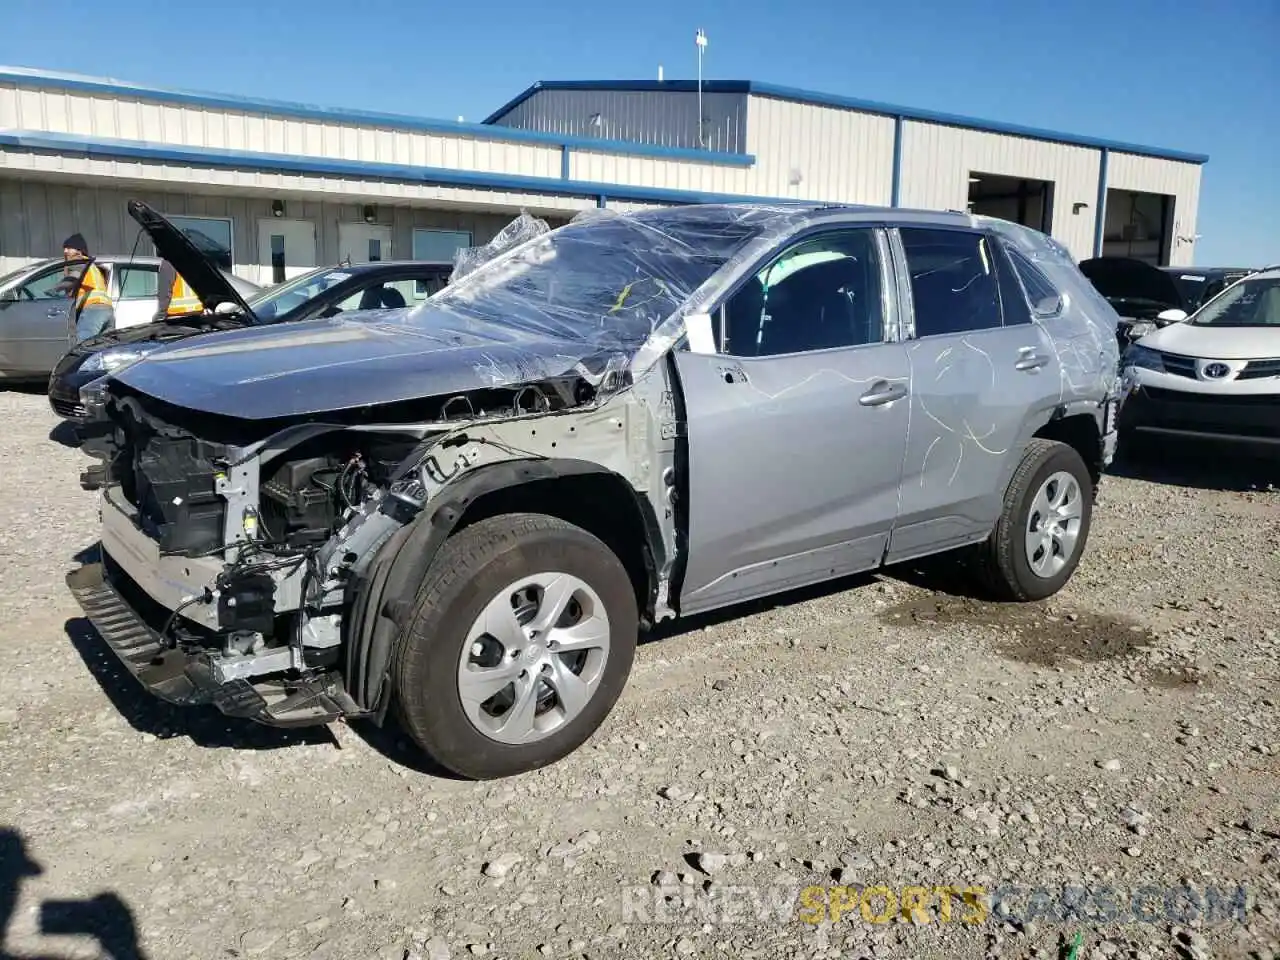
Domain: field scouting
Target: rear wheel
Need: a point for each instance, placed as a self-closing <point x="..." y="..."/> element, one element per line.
<point x="523" y="636"/>
<point x="1041" y="534"/>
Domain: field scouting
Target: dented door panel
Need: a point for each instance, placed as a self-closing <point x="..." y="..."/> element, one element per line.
<point x="794" y="463"/>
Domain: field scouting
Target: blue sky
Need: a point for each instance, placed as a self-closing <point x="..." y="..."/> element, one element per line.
<point x="1193" y="75"/>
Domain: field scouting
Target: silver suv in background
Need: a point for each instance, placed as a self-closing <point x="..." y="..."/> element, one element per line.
<point x="465" y="511"/>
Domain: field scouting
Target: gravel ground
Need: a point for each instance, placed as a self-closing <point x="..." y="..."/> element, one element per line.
<point x="887" y="733"/>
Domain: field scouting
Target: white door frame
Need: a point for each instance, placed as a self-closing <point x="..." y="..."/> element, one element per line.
<point x="304" y="234"/>
<point x="354" y="237"/>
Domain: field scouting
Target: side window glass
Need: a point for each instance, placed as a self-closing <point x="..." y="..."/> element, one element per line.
<point x="57" y="284"/>
<point x="1044" y="298"/>
<point x="953" y="281"/>
<point x="370" y="298"/>
<point x="821" y="294"/>
<point x="377" y="296"/>
<point x="138" y="282"/>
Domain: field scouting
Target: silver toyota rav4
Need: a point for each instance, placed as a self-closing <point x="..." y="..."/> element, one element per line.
<point x="464" y="512"/>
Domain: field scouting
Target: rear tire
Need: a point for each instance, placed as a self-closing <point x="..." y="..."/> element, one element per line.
<point x="481" y="619"/>
<point x="1043" y="528"/>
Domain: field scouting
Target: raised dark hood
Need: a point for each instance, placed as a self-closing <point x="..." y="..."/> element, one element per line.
<point x="1124" y="280"/>
<point x="198" y="269"/>
<point x="301" y="369"/>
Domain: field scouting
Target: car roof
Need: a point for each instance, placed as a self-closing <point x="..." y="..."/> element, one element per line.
<point x="388" y="265"/>
<point x="1207" y="271"/>
<point x="785" y="209"/>
<point x="97" y="258"/>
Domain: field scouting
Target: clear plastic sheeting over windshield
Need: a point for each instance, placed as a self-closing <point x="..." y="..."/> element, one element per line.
<point x="1253" y="302"/>
<point x="589" y="296"/>
<point x="600" y="301"/>
<point x="522" y="228"/>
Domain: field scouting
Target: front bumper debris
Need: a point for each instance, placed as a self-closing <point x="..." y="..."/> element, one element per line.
<point x="186" y="678"/>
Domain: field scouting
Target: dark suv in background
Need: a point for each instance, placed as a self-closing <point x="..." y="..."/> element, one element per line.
<point x="1148" y="297"/>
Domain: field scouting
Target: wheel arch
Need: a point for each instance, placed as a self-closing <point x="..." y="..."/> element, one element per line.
<point x="1078" y="430"/>
<point x="578" y="491"/>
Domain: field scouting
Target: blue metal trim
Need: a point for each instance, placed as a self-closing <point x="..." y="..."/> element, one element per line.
<point x="564" y="163"/>
<point x="216" y="157"/>
<point x="28" y="77"/>
<point x="896" y="190"/>
<point x="602" y="201"/>
<point x="514" y="102"/>
<point x="1100" y="213"/>
<point x="850" y="103"/>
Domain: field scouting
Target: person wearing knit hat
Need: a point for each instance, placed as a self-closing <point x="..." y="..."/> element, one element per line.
<point x="75" y="247"/>
<point x="95" y="313"/>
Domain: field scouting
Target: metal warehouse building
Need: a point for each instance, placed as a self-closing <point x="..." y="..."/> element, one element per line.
<point x="281" y="187"/>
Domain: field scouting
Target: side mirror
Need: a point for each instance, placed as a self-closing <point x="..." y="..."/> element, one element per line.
<point x="226" y="309"/>
<point x="1171" y="316"/>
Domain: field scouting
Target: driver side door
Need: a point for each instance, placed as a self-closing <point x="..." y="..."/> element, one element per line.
<point x="796" y="424"/>
<point x="37" y="320"/>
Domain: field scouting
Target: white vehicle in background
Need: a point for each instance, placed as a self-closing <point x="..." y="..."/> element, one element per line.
<point x="1214" y="375"/>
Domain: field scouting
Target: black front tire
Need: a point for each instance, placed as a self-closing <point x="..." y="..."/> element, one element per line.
<point x="1002" y="560"/>
<point x="473" y="566"/>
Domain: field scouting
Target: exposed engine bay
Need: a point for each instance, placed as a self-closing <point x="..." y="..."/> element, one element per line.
<point x="254" y="552"/>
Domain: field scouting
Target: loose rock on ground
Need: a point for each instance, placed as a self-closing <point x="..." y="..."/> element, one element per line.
<point x="887" y="733"/>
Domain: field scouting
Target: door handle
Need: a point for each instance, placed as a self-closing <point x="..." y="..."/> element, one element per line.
<point x="56" y="312"/>
<point x="1028" y="359"/>
<point x="882" y="392"/>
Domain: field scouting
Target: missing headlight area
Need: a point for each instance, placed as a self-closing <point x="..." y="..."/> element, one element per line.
<point x="256" y="537"/>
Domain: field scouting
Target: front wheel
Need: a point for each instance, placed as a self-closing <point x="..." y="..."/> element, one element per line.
<point x="522" y="638"/>
<point x="1038" y="541"/>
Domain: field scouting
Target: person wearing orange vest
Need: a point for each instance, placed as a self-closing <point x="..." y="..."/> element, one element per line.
<point x="95" y="314"/>
<point x="175" y="296"/>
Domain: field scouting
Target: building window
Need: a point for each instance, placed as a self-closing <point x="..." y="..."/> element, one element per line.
<point x="212" y="235"/>
<point x="437" y="246"/>
<point x="277" y="258"/>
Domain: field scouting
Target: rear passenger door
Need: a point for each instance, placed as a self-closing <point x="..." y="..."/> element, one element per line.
<point x="137" y="293"/>
<point x="796" y="423"/>
<point x="981" y="373"/>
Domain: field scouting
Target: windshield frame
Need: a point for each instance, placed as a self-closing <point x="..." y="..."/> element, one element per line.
<point x="272" y="294"/>
<point x="1227" y="297"/>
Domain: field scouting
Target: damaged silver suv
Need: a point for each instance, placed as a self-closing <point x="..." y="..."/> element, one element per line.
<point x="463" y="512"/>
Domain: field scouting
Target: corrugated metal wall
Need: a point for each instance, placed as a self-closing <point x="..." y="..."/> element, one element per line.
<point x="802" y="151"/>
<point x="840" y="155"/>
<point x="661" y="118"/>
<point x="937" y="162"/>
<point x="1171" y="178"/>
<point x="607" y="168"/>
<point x="36" y="217"/>
<point x="132" y="118"/>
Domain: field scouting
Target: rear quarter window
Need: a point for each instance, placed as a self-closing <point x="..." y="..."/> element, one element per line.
<point x="1044" y="299"/>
